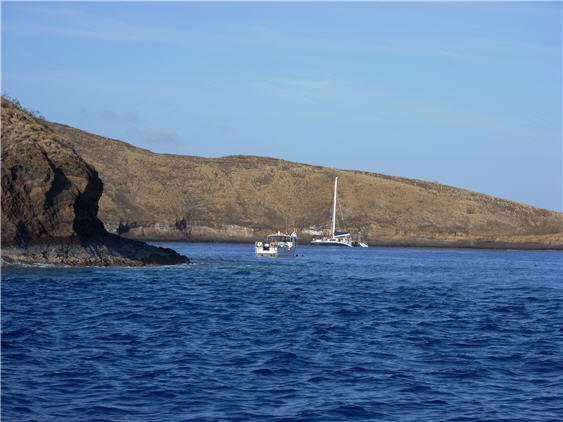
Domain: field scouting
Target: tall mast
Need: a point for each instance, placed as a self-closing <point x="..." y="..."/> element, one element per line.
<point x="334" y="209"/>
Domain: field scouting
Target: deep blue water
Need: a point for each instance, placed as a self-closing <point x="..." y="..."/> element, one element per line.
<point x="334" y="335"/>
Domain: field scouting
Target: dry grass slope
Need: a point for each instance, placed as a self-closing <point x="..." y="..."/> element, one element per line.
<point x="162" y="196"/>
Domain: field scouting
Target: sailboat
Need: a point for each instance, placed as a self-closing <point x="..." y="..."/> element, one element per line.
<point x="337" y="238"/>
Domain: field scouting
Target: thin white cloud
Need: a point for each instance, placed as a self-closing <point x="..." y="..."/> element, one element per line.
<point x="354" y="101"/>
<point x="111" y="115"/>
<point x="158" y="135"/>
<point x="224" y="128"/>
<point x="305" y="90"/>
<point x="65" y="21"/>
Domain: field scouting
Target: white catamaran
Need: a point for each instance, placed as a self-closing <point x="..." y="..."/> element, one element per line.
<point x="337" y="238"/>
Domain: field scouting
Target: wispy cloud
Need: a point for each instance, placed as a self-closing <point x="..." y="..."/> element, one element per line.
<point x="111" y="115"/>
<point x="304" y="90"/>
<point x="465" y="48"/>
<point x="69" y="22"/>
<point x="354" y="101"/>
<point x="224" y="128"/>
<point x="158" y="135"/>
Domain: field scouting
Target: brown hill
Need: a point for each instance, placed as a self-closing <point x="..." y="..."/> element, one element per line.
<point x="240" y="198"/>
<point x="50" y="202"/>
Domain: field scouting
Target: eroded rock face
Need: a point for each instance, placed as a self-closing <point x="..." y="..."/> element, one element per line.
<point x="50" y="202"/>
<point x="49" y="193"/>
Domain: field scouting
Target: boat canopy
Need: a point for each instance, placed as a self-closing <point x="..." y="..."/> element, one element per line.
<point x="279" y="238"/>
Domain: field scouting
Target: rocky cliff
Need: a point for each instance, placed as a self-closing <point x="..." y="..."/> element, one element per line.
<point x="241" y="198"/>
<point x="50" y="202"/>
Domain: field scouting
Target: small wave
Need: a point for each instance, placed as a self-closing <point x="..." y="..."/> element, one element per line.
<point x="34" y="265"/>
<point x="263" y="371"/>
<point x="316" y="380"/>
<point x="417" y="389"/>
<point x="353" y="411"/>
<point x="97" y="410"/>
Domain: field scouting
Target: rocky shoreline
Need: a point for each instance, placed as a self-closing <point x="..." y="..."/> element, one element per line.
<point x="238" y="234"/>
<point x="109" y="251"/>
<point x="50" y="203"/>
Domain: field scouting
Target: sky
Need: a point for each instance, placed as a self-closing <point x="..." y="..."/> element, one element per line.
<point x="465" y="94"/>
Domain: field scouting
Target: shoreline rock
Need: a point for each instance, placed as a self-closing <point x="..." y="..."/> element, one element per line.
<point x="239" y="234"/>
<point x="110" y="250"/>
<point x="50" y="203"/>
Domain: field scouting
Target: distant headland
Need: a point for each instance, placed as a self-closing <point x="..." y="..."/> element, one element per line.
<point x="152" y="196"/>
<point x="165" y="197"/>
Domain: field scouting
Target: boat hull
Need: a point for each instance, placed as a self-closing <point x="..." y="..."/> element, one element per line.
<point x="333" y="244"/>
<point x="277" y="253"/>
<point x="284" y="250"/>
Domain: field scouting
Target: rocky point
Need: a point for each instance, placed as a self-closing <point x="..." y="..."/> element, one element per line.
<point x="50" y="202"/>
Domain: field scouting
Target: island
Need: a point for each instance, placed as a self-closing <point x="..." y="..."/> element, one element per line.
<point x="51" y="193"/>
<point x="170" y="197"/>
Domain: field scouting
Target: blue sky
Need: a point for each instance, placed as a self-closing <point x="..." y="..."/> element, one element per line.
<point x="466" y="94"/>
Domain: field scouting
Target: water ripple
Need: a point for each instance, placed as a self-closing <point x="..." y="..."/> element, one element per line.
<point x="376" y="334"/>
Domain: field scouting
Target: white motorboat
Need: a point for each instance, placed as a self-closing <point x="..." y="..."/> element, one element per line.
<point x="277" y="246"/>
<point x="337" y="238"/>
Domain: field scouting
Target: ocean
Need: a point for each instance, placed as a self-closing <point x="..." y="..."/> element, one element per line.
<point x="377" y="334"/>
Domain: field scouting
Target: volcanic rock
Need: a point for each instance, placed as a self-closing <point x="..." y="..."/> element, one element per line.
<point x="50" y="202"/>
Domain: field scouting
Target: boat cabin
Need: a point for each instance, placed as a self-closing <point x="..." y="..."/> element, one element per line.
<point x="278" y="238"/>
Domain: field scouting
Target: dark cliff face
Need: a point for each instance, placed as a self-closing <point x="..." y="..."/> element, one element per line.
<point x="50" y="199"/>
<point x="49" y="194"/>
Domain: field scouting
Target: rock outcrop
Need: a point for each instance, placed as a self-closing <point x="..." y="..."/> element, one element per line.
<point x="50" y="202"/>
<point x="241" y="198"/>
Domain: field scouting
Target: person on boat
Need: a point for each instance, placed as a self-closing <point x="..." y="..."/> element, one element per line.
<point x="294" y="236"/>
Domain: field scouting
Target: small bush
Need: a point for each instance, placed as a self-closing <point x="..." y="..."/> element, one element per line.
<point x="35" y="113"/>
